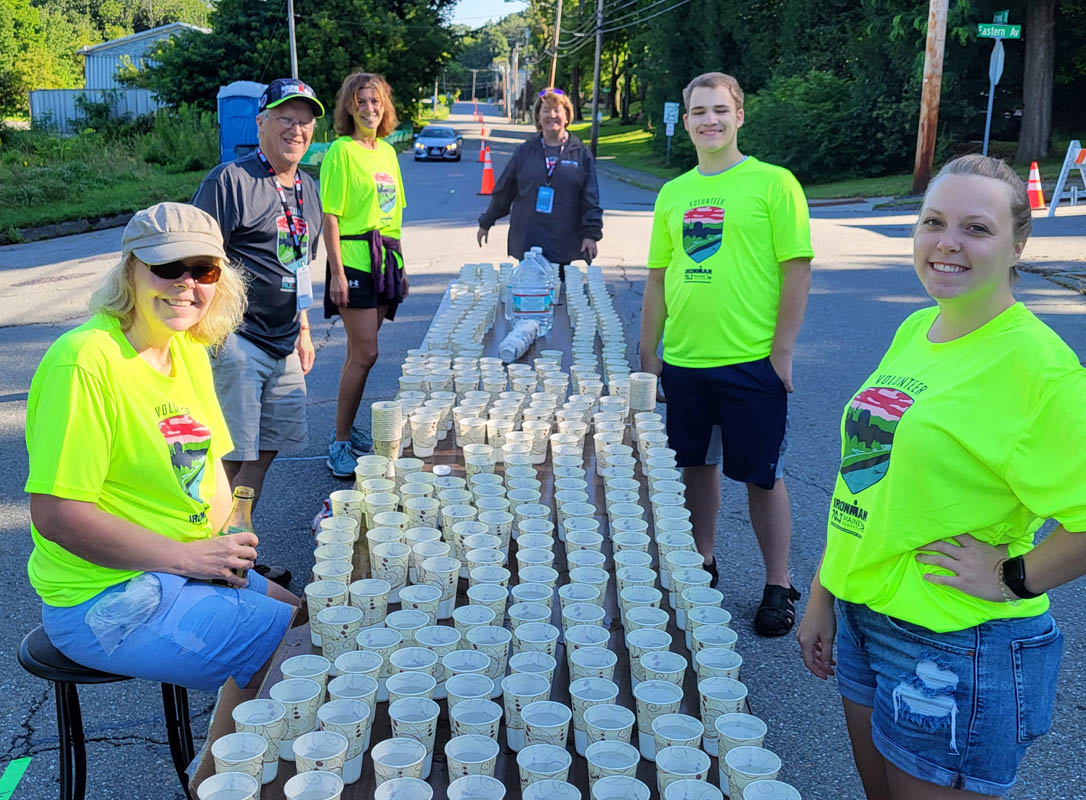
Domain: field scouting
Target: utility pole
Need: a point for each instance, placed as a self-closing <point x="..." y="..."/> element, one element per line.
<point x="514" y="79"/>
<point x="929" y="99"/>
<point x="293" y="43"/>
<point x="596" y="77"/>
<point x="554" y="54"/>
<point x="474" y="72"/>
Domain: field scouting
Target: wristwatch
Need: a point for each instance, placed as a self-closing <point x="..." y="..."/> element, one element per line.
<point x="1014" y="577"/>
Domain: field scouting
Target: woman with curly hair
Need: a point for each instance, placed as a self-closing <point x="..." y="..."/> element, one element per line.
<point x="363" y="198"/>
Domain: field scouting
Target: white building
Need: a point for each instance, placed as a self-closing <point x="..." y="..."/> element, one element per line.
<point x="102" y="63"/>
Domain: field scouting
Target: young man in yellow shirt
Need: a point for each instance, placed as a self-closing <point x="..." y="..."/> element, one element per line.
<point x="729" y="272"/>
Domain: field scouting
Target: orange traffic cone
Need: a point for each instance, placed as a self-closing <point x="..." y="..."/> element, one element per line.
<point x="482" y="150"/>
<point x="482" y="128"/>
<point x="488" y="176"/>
<point x="1033" y="188"/>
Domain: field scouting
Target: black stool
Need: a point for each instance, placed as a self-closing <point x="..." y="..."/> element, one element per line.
<point x="38" y="657"/>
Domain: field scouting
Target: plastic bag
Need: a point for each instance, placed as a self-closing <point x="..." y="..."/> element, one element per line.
<point x="117" y="614"/>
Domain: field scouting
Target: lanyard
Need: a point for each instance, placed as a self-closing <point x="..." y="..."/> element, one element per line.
<point x="549" y="167"/>
<point x="295" y="239"/>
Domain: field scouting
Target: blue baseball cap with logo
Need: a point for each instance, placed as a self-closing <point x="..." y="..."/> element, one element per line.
<point x="282" y="89"/>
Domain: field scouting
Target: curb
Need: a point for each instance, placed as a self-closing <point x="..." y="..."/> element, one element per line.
<point x="70" y="228"/>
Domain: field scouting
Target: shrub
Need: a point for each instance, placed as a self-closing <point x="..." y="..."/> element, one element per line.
<point x="184" y="140"/>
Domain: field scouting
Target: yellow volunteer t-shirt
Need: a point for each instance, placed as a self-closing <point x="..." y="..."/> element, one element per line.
<point x="364" y="188"/>
<point x="984" y="435"/>
<point x="103" y="427"/>
<point x="722" y="239"/>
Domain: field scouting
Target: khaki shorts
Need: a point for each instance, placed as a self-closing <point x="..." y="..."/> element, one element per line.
<point x="262" y="397"/>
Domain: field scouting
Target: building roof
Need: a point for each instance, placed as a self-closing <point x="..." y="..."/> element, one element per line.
<point x="150" y="35"/>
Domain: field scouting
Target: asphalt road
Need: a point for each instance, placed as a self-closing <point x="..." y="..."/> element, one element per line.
<point x="863" y="287"/>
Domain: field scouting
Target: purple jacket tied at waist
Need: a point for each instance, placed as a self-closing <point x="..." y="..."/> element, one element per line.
<point x="387" y="272"/>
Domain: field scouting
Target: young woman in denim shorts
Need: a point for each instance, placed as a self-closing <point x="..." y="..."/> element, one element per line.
<point x="956" y="448"/>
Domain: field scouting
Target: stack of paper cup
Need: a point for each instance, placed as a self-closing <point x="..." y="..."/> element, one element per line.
<point x="642" y="391"/>
<point x="387" y="427"/>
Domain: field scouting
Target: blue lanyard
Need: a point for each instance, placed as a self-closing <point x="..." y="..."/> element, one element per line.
<point x="295" y="238"/>
<point x="547" y="165"/>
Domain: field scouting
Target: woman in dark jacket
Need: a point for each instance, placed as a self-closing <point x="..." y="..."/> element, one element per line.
<point x="550" y="186"/>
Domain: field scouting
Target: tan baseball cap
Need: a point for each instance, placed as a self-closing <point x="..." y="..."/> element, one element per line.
<point x="170" y="232"/>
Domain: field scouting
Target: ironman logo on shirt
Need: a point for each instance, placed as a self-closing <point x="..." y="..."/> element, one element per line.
<point x="702" y="230"/>
<point x="870" y="422"/>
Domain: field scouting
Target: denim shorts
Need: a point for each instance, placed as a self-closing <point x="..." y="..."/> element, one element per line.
<point x="955" y="709"/>
<point x="735" y="415"/>
<point x="187" y="632"/>
<point x="263" y="398"/>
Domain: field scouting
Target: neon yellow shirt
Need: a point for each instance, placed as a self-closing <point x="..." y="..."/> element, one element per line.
<point x="104" y="427"/>
<point x="984" y="435"/>
<point x="722" y="239"/>
<point x="364" y="188"/>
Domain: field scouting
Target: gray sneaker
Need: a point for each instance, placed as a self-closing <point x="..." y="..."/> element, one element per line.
<point x="341" y="460"/>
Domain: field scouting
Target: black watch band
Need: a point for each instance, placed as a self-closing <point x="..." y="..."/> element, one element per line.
<point x="1014" y="576"/>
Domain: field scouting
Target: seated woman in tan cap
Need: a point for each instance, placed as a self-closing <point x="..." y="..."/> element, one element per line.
<point x="127" y="490"/>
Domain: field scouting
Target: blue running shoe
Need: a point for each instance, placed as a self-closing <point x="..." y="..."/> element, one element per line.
<point x="361" y="441"/>
<point x="341" y="460"/>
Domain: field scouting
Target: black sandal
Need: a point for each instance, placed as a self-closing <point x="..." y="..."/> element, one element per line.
<point x="777" y="613"/>
<point x="712" y="570"/>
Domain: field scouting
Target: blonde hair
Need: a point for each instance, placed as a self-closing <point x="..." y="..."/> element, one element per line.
<point x="345" y="102"/>
<point x="548" y="97"/>
<point x="117" y="298"/>
<point x="712" y="80"/>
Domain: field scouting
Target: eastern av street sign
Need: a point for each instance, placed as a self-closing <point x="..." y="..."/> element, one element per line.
<point x="990" y="30"/>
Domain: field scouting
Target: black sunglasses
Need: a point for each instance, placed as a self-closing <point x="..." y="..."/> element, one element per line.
<point x="201" y="273"/>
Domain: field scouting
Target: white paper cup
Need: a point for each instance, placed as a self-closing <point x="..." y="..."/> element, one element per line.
<point x="712" y="636"/>
<point x="592" y="662"/>
<point x="346" y="503"/>
<point x="316" y="668"/>
<point x="338" y="530"/>
<point x="300" y="697"/>
<point x="678" y="763"/>
<point x="424" y="433"/>
<point x="338" y="627"/>
<point x="571" y="593"/>
<point x="546" y="722"/>
<point x="470" y="616"/>
<point x="583" y="636"/>
<point x="333" y="552"/>
<point x="534" y="663"/>
<point x="641" y="617"/>
<point x="320" y="595"/>
<point x="540" y="761"/>
<point x="746" y="765"/>
<point x="493" y="641"/>
<point x="397" y="758"/>
<point x="641" y="641"/>
<point x="611" y="757"/>
<point x="585" y="693"/>
<point x="620" y="787"/>
<point x="467" y="686"/>
<point x="442" y="640"/>
<point x="688" y="789"/>
<point x="422" y="512"/>
<point x="582" y="614"/>
<point x="736" y="729"/>
<point x="719" y="696"/>
<point x="653" y="699"/>
<point x="608" y="722"/>
<point x="442" y="572"/>
<point x="266" y="718"/>
<point x="240" y="752"/>
<point x="384" y="642"/>
<point x="321" y="750"/>
<point x="416" y="718"/>
<point x="770" y="790"/>
<point x="406" y="621"/>
<point x="477" y="717"/>
<point x="537" y="636"/>
<point x="551" y="790"/>
<point x="718" y="662"/>
<point x="476" y="787"/>
<point x="414" y="658"/>
<point x="421" y="597"/>
<point x="231" y="785"/>
<point x="403" y="789"/>
<point x="674" y="730"/>
<point x="519" y="690"/>
<point x="352" y="719"/>
<point x="353" y="686"/>
<point x="704" y="615"/>
<point x="492" y="596"/>
<point x="471" y="754"/>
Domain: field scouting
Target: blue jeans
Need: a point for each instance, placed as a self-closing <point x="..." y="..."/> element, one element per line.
<point x="187" y="632"/>
<point x="955" y="709"/>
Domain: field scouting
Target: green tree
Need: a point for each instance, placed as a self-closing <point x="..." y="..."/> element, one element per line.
<point x="405" y="40"/>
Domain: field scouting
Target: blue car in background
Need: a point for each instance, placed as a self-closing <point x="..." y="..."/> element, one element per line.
<point x="438" y="143"/>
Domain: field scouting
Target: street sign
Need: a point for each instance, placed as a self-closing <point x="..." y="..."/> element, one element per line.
<point x="1000" y="17"/>
<point x="995" y="63"/>
<point x="990" y="30"/>
<point x="671" y="112"/>
<point x="670" y="129"/>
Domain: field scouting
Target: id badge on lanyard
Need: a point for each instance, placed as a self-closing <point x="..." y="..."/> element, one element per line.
<point x="299" y="267"/>
<point x="303" y="276"/>
<point x="544" y="198"/>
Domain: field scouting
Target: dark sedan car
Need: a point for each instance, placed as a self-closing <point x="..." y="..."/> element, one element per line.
<point x="436" y="142"/>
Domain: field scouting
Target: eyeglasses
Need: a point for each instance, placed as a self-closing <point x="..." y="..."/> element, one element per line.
<point x="289" y="122"/>
<point x="551" y="90"/>
<point x="172" y="270"/>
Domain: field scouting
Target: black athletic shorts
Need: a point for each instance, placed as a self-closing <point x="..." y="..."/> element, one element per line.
<point x="749" y="404"/>
<point x="361" y="293"/>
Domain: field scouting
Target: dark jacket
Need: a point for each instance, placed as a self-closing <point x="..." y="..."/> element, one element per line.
<point x="576" y="214"/>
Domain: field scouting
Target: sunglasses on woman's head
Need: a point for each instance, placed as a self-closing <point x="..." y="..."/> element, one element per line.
<point x="551" y="91"/>
<point x="173" y="270"/>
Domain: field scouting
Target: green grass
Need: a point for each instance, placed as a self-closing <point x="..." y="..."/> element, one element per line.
<point x="627" y="146"/>
<point x="127" y="192"/>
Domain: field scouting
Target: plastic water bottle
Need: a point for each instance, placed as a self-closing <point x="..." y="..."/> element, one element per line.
<point x="551" y="270"/>
<point x="518" y="340"/>
<point x="530" y="291"/>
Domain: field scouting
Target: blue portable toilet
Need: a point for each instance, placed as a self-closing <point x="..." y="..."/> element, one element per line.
<point x="238" y="103"/>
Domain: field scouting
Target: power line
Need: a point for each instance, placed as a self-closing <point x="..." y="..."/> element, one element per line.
<point x="646" y="19"/>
